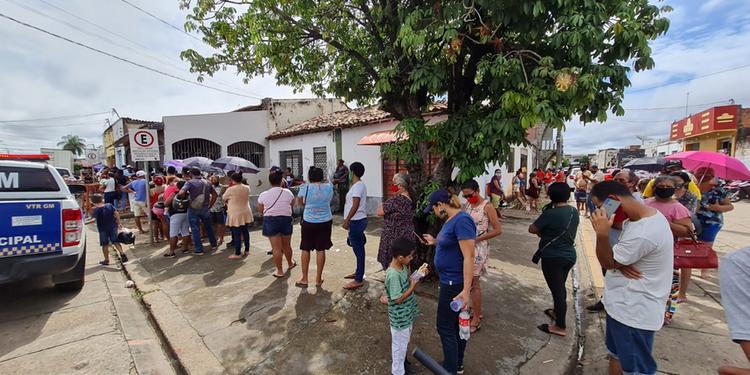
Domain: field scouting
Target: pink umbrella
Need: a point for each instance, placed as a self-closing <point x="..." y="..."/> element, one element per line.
<point x="724" y="166"/>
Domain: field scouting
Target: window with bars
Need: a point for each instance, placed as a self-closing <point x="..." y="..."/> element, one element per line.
<point x="320" y="160"/>
<point x="190" y="147"/>
<point x="292" y="159"/>
<point x="247" y="150"/>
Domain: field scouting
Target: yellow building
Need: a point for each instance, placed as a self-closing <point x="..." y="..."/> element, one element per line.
<point x="714" y="129"/>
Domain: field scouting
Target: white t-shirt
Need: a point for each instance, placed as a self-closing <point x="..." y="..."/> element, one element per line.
<point x="282" y="207"/>
<point x="109" y="185"/>
<point x="648" y="245"/>
<point x="598" y="176"/>
<point x="357" y="190"/>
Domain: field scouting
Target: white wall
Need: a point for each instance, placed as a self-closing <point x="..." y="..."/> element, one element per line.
<point x="222" y="128"/>
<point x="288" y="112"/>
<point x="306" y="143"/>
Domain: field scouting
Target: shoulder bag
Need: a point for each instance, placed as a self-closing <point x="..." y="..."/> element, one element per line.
<point x="538" y="254"/>
<point x="197" y="202"/>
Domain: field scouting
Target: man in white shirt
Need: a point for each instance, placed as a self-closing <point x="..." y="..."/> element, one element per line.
<point x="638" y="283"/>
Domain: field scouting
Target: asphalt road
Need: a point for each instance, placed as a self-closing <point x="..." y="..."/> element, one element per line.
<point x="98" y="330"/>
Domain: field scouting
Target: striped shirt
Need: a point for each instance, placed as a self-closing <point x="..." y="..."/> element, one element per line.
<point x="400" y="315"/>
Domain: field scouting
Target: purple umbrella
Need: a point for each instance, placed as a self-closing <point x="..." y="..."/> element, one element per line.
<point x="204" y="164"/>
<point x="234" y="163"/>
<point x="177" y="164"/>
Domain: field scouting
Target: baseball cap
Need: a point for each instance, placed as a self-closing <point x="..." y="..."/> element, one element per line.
<point x="436" y="197"/>
<point x="140" y="174"/>
<point x="673" y="163"/>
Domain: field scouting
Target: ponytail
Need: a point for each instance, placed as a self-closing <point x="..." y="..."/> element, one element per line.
<point x="455" y="202"/>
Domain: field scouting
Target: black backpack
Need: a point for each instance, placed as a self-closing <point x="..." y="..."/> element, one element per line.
<point x="179" y="206"/>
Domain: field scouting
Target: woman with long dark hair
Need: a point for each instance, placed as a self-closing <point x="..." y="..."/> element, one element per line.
<point x="557" y="227"/>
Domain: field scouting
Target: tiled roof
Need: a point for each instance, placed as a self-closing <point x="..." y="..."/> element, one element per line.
<point x="346" y="119"/>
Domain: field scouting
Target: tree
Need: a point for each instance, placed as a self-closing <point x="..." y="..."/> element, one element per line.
<point x="502" y="66"/>
<point x="73" y="143"/>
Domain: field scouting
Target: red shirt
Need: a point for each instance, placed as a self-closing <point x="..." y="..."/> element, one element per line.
<point x="540" y="175"/>
<point x="560" y="177"/>
<point x="548" y="177"/>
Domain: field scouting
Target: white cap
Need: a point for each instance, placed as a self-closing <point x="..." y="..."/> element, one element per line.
<point x="140" y="174"/>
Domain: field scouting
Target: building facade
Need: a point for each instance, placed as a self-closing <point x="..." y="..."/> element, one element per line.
<point x="714" y="129"/>
<point x="116" y="140"/>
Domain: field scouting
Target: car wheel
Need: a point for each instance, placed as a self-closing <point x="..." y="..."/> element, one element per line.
<point x="78" y="274"/>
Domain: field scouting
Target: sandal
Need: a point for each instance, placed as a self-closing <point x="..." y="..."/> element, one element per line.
<point x="545" y="328"/>
<point x="245" y="254"/>
<point x="550" y="313"/>
<point x="300" y="285"/>
<point x="277" y="276"/>
<point x="170" y="255"/>
<point x="103" y="263"/>
<point x="318" y="285"/>
<point x="294" y="264"/>
<point x="349" y="276"/>
<point x="352" y="286"/>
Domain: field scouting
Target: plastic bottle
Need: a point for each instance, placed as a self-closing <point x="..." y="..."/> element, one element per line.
<point x="417" y="275"/>
<point x="464" y="330"/>
<point x="457" y="304"/>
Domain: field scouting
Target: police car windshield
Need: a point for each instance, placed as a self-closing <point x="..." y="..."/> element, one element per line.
<point x="15" y="179"/>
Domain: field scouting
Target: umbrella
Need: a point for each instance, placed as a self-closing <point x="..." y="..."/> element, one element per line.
<point x="724" y="166"/>
<point x="649" y="164"/>
<point x="204" y="164"/>
<point x="234" y="163"/>
<point x="177" y="164"/>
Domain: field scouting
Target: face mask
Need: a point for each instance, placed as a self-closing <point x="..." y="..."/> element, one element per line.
<point x="474" y="199"/>
<point x="664" y="192"/>
<point x="394" y="188"/>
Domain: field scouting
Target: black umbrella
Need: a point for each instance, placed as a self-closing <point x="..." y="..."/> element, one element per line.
<point x="234" y="163"/>
<point x="648" y="164"/>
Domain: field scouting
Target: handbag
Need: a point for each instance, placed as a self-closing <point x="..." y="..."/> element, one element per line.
<point x="691" y="253"/>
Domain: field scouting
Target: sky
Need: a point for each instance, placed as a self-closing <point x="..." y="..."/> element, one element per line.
<point x="45" y="77"/>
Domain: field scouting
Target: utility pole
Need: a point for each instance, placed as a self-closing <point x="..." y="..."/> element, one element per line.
<point x="559" y="156"/>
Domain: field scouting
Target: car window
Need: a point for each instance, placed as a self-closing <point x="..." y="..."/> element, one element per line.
<point x="63" y="172"/>
<point x="13" y="179"/>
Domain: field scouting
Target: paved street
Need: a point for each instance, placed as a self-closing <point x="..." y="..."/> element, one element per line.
<point x="99" y="330"/>
<point x="698" y="340"/>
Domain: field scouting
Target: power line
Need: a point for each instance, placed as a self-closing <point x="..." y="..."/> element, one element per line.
<point x="124" y="59"/>
<point x="691" y="79"/>
<point x="31" y="126"/>
<point x="54" y="118"/>
<point x="149" y="53"/>
<point x="675" y="107"/>
<point x="161" y="20"/>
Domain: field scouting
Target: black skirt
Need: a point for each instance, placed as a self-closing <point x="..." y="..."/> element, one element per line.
<point x="316" y="236"/>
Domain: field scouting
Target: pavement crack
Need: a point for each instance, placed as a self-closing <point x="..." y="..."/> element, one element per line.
<point x="60" y="345"/>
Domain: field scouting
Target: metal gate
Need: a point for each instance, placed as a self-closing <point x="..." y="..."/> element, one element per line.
<point x="292" y="159"/>
<point x="249" y="151"/>
<point x="190" y="147"/>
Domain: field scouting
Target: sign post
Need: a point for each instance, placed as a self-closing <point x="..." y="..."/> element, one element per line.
<point x="144" y="146"/>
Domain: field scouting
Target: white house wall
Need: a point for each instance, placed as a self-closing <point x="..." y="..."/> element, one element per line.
<point x="221" y="128"/>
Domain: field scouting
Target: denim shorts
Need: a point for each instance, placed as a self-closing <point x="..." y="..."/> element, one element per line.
<point x="108" y="237"/>
<point x="277" y="226"/>
<point x="709" y="232"/>
<point x="632" y="347"/>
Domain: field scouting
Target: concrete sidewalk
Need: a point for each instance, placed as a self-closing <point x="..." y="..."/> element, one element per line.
<point x="698" y="340"/>
<point x="223" y="316"/>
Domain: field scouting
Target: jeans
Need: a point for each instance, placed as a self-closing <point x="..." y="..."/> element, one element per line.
<point x="447" y="327"/>
<point x="121" y="200"/>
<point x="238" y="239"/>
<point x="357" y="242"/>
<point x="590" y="203"/>
<point x="555" y="272"/>
<point x="196" y="217"/>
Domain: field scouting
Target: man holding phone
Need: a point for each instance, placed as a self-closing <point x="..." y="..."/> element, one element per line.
<point x="639" y="280"/>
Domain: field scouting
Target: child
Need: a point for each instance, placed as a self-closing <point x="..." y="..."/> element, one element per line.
<point x="402" y="305"/>
<point x="107" y="222"/>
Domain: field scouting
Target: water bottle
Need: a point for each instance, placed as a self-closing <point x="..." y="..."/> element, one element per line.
<point x="457" y="304"/>
<point x="464" y="330"/>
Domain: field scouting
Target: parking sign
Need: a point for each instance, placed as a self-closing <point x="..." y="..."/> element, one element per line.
<point x="144" y="145"/>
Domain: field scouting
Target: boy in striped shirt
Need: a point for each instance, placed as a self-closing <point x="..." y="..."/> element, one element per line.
<point x="402" y="305"/>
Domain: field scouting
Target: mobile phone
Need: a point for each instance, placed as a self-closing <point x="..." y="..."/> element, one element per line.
<point x="610" y="206"/>
<point x="419" y="238"/>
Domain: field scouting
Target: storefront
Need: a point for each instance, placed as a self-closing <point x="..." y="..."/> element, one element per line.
<point x="714" y="129"/>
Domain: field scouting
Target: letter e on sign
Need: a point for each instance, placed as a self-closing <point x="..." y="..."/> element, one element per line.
<point x="144" y="145"/>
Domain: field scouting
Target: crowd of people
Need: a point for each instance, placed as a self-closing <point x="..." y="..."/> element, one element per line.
<point x="636" y="224"/>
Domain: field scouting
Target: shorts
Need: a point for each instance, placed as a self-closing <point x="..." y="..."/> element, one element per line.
<point x="139" y="209"/>
<point x="108" y="237"/>
<point x="495" y="199"/>
<point x="481" y="257"/>
<point x="277" y="226"/>
<point x="709" y="232"/>
<point x="580" y="196"/>
<point x="179" y="226"/>
<point x="218" y="217"/>
<point x="316" y="236"/>
<point x="631" y="346"/>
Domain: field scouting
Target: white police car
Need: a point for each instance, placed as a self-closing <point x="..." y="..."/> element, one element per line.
<point x="41" y="225"/>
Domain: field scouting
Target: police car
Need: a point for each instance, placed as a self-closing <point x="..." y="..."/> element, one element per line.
<point x="41" y="225"/>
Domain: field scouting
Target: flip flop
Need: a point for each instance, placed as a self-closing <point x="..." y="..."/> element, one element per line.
<point x="352" y="286"/>
<point x="300" y="285"/>
<point x="294" y="264"/>
<point x="349" y="276"/>
<point x="550" y="313"/>
<point x="545" y="328"/>
<point x="277" y="276"/>
<point x="318" y="285"/>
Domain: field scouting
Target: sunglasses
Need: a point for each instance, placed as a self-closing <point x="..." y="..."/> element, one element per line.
<point x="467" y="196"/>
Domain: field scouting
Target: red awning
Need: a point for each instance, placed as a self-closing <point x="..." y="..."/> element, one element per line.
<point x="380" y="137"/>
